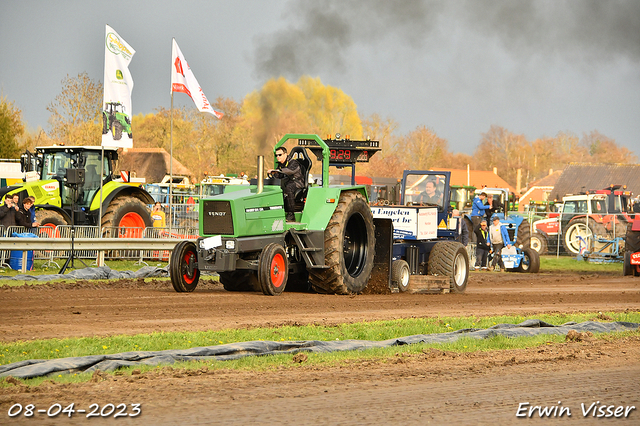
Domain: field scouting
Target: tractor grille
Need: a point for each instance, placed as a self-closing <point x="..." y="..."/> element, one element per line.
<point x="217" y="218"/>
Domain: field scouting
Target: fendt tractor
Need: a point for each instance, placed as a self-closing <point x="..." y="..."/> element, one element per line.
<point x="68" y="191"/>
<point x="115" y="118"/>
<point x="333" y="245"/>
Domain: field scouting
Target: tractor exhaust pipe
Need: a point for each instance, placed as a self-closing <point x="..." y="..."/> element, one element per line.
<point x="260" y="174"/>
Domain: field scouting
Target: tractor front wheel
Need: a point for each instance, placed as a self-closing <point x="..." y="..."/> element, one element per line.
<point x="531" y="261"/>
<point x="539" y="243"/>
<point x="273" y="269"/>
<point x="348" y="248"/>
<point x="183" y="267"/>
<point x="116" y="130"/>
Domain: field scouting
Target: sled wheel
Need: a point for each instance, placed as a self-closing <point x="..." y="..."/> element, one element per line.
<point x="400" y="274"/>
<point x="273" y="269"/>
<point x="184" y="269"/>
<point x="450" y="259"/>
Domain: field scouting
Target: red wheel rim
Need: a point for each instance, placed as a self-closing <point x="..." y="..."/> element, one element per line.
<point x="277" y="271"/>
<point x="49" y="229"/>
<point x="187" y="259"/>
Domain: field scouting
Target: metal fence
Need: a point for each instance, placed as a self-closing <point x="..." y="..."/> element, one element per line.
<point x="92" y="232"/>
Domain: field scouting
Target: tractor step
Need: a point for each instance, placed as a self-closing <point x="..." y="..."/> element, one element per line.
<point x="428" y="284"/>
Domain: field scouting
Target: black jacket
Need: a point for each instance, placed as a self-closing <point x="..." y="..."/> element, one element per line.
<point x="483" y="240"/>
<point x="23" y="218"/>
<point x="290" y="171"/>
<point x="7" y="216"/>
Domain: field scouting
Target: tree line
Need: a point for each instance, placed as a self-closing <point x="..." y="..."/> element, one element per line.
<point x="207" y="145"/>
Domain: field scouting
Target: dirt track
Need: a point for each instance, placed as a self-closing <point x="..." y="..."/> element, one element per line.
<point x="434" y="387"/>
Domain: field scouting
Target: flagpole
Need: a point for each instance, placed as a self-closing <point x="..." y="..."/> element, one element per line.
<point x="171" y="167"/>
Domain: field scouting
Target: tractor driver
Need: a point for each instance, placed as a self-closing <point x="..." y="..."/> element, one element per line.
<point x="430" y="195"/>
<point x="290" y="172"/>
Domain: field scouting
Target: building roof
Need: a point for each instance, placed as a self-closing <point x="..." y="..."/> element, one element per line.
<point x="150" y="163"/>
<point x="548" y="180"/>
<point x="477" y="178"/>
<point x="580" y="177"/>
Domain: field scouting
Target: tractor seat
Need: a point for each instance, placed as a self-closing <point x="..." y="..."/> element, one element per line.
<point x="299" y="153"/>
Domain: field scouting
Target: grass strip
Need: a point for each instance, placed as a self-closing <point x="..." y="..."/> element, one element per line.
<point x="375" y="331"/>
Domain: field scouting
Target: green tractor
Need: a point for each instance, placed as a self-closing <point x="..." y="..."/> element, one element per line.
<point x="115" y="119"/>
<point x="68" y="191"/>
<point x="245" y="238"/>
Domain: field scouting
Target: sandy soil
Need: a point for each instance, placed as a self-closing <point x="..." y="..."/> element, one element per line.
<point x="434" y="387"/>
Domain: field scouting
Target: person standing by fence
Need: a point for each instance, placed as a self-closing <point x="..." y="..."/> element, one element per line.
<point x="158" y="216"/>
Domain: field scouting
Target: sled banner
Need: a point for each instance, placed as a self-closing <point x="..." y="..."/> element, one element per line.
<point x="183" y="80"/>
<point x="118" y="84"/>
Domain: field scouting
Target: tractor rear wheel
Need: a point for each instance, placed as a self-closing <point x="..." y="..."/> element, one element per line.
<point x="524" y="235"/>
<point x="580" y="235"/>
<point x="348" y="248"/>
<point x="240" y="280"/>
<point x="273" y="269"/>
<point x="126" y="217"/>
<point x="539" y="243"/>
<point x="450" y="259"/>
<point x="531" y="261"/>
<point x="50" y="218"/>
<point x="105" y="124"/>
<point x="183" y="267"/>
<point x="627" y="267"/>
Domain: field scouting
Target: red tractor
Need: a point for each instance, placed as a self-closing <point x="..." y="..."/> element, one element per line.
<point x="632" y="249"/>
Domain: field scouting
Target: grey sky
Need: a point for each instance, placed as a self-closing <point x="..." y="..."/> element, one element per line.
<point x="533" y="67"/>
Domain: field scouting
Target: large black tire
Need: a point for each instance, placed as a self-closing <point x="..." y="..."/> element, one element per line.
<point x="472" y="231"/>
<point x="105" y="124"/>
<point x="577" y="231"/>
<point x="349" y="243"/>
<point x="627" y="267"/>
<point x="273" y="269"/>
<point x="128" y="213"/>
<point x="240" y="280"/>
<point x="539" y="243"/>
<point x="450" y="259"/>
<point x="524" y="235"/>
<point x="183" y="258"/>
<point x="531" y="261"/>
<point x="632" y="240"/>
<point x="50" y="218"/>
<point x="400" y="274"/>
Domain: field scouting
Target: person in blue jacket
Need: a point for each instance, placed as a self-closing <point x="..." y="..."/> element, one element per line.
<point x="478" y="208"/>
<point x="499" y="237"/>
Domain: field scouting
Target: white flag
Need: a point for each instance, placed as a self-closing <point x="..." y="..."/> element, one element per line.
<point x="183" y="80"/>
<point x="118" y="84"/>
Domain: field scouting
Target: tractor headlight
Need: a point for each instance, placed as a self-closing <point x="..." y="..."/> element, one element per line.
<point x="230" y="244"/>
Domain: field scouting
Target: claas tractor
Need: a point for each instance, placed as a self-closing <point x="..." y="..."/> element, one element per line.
<point x="115" y="119"/>
<point x="68" y="189"/>
<point x="245" y="238"/>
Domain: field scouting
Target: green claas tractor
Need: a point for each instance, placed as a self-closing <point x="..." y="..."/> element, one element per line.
<point x="115" y="119"/>
<point x="69" y="189"/>
<point x="245" y="238"/>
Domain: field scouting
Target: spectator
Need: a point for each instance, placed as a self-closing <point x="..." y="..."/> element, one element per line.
<point x="463" y="231"/>
<point x="499" y="237"/>
<point x="8" y="212"/>
<point x="32" y="210"/>
<point x="23" y="216"/>
<point x="158" y="216"/>
<point x="478" y="209"/>
<point x="483" y="246"/>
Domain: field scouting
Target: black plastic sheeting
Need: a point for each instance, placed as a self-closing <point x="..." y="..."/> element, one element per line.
<point x="36" y="368"/>
<point x="98" y="273"/>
